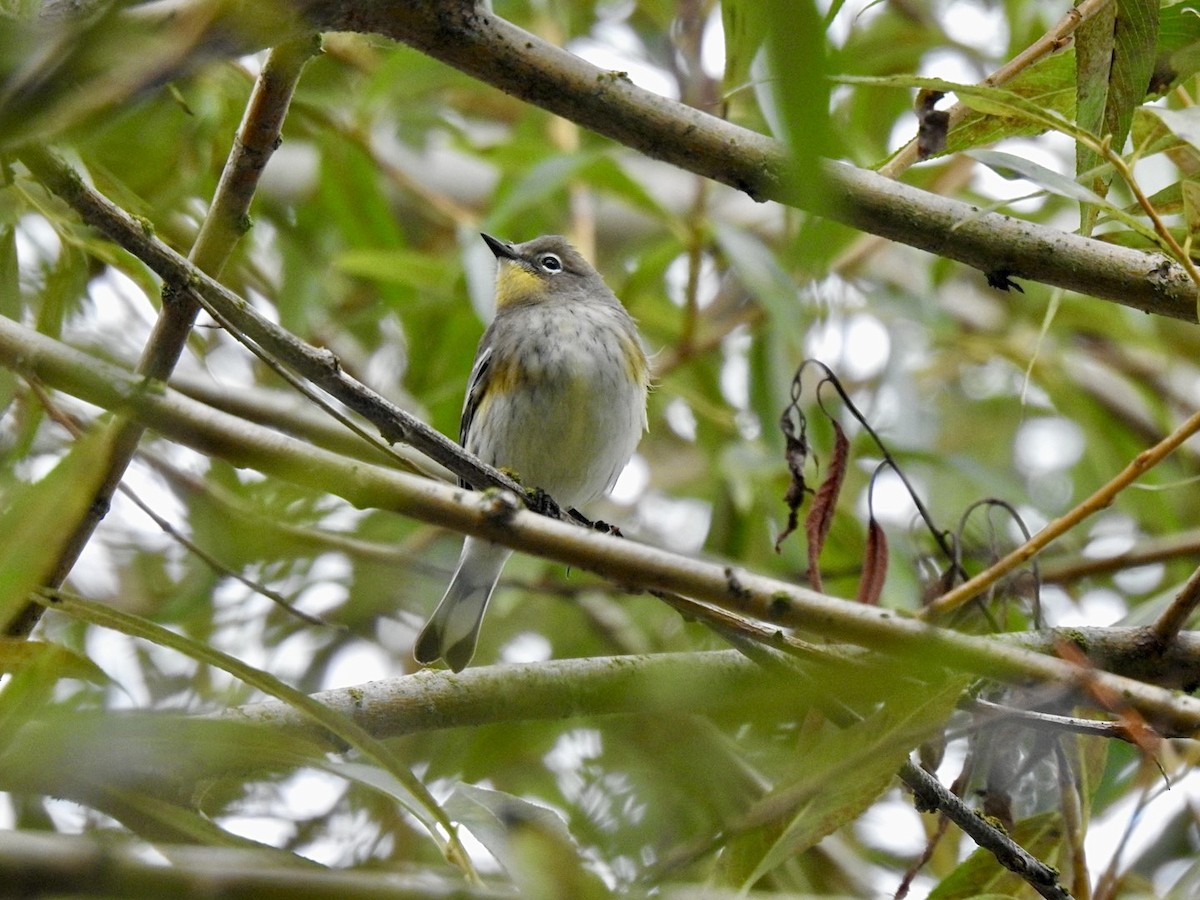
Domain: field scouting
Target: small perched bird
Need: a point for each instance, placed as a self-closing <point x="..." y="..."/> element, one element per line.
<point x="557" y="395"/>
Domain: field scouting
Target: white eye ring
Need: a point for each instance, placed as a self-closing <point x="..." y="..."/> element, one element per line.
<point x="550" y="263"/>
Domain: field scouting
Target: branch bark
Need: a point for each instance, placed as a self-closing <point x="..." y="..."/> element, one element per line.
<point x="462" y="34"/>
<point x="222" y="227"/>
<point x="245" y="324"/>
<point x="500" y="517"/>
<point x="700" y="682"/>
<point x="101" y="866"/>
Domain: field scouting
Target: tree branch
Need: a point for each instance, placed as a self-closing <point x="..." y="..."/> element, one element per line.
<point x="1175" y="617"/>
<point x="224" y="224"/>
<point x="493" y="50"/>
<point x="319" y="366"/>
<point x="106" y="866"/>
<point x="500" y="517"/>
<point x="931" y="795"/>
<point x="1100" y="499"/>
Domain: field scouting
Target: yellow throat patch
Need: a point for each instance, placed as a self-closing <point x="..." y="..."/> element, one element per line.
<point x="516" y="284"/>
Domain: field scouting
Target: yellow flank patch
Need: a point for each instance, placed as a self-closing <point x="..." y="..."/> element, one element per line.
<point x="504" y="376"/>
<point x="635" y="360"/>
<point x="515" y="284"/>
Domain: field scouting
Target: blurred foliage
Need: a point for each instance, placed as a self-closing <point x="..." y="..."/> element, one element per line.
<point x="365" y="240"/>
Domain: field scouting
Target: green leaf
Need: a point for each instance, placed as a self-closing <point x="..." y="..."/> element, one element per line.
<point x="10" y="291"/>
<point x="397" y="265"/>
<point x="1133" y="65"/>
<point x="82" y="753"/>
<point x="425" y="808"/>
<point x="1006" y="165"/>
<point x="846" y="769"/>
<point x="55" y="660"/>
<point x="1094" y="41"/>
<point x="1114" y="60"/>
<point x="530" y="841"/>
<point x="980" y="873"/>
<point x="762" y="275"/>
<point x="605" y="174"/>
<point x="1178" y="55"/>
<point x="535" y="187"/>
<point x="36" y="527"/>
<point x="798" y="93"/>
<point x="745" y="27"/>
<point x="1183" y="123"/>
<point x="1191" y="205"/>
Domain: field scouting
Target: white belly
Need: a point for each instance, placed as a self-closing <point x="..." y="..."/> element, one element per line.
<point x="577" y="417"/>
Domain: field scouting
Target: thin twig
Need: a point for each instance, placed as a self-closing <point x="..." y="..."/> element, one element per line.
<point x="1032" y="718"/>
<point x="1050" y="42"/>
<point x="225" y="223"/>
<point x="1160" y="228"/>
<point x="318" y="366"/>
<point x="59" y="416"/>
<point x="1099" y="500"/>
<point x="1069" y="768"/>
<point x="498" y="517"/>
<point x="1173" y="619"/>
<point x="1152" y="550"/>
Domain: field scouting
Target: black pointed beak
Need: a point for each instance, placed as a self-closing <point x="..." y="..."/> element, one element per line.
<point x="499" y="248"/>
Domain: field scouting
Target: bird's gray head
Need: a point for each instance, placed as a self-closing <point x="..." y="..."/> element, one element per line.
<point x="541" y="269"/>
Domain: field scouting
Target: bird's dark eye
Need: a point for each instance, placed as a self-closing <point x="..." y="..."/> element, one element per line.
<point x="550" y="263"/>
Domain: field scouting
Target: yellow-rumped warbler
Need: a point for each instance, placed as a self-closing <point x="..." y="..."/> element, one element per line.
<point x="557" y="395"/>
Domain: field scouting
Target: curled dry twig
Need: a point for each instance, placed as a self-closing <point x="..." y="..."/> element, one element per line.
<point x="794" y="425"/>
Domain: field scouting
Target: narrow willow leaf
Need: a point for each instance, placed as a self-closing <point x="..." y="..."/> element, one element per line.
<point x="1151" y="136"/>
<point x="1178" y="52"/>
<point x="1093" y="66"/>
<point x="425" y="809"/>
<point x="1136" y="41"/>
<point x="40" y="518"/>
<point x="1191" y="205"/>
<point x="758" y="269"/>
<point x="846" y="769"/>
<point x="875" y="561"/>
<point x="537" y="186"/>
<point x="396" y="265"/>
<point x="531" y="842"/>
<point x="485" y="811"/>
<point x="10" y="286"/>
<point x="744" y="26"/>
<point x="1183" y="123"/>
<point x="161" y="820"/>
<point x="56" y="661"/>
<point x="820" y="515"/>
<point x="165" y="757"/>
<point x="1115" y="58"/>
<point x="10" y="282"/>
<point x="799" y="89"/>
<point x="980" y="873"/>
<point x="1011" y="167"/>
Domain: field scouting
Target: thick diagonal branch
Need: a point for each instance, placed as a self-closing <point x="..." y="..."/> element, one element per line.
<point x="225" y="223"/>
<point x="776" y="603"/>
<point x="464" y="35"/>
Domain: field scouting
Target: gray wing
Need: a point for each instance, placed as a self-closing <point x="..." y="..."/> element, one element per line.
<point x="475" y="383"/>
